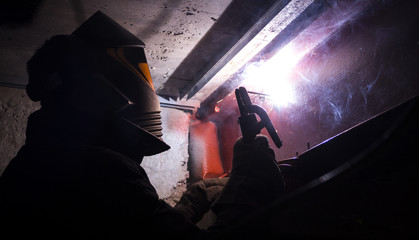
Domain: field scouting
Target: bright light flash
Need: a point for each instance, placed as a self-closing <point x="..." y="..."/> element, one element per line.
<point x="273" y="76"/>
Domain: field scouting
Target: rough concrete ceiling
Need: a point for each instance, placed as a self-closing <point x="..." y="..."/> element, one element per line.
<point x="193" y="46"/>
<point x="170" y="29"/>
<point x="175" y="32"/>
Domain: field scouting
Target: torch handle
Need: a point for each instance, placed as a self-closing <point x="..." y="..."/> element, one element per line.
<point x="249" y="125"/>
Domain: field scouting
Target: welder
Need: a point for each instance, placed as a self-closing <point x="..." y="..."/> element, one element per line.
<point x="78" y="176"/>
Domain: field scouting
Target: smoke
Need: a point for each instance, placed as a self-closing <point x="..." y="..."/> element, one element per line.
<point x="328" y="70"/>
<point x="340" y="13"/>
<point x="272" y="76"/>
<point x="335" y="106"/>
<point x="328" y="82"/>
<point x="365" y="91"/>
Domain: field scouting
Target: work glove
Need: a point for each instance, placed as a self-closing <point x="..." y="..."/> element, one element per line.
<point x="255" y="179"/>
<point x="199" y="197"/>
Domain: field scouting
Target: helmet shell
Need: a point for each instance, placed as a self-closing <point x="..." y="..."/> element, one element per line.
<point x="101" y="67"/>
<point x="119" y="57"/>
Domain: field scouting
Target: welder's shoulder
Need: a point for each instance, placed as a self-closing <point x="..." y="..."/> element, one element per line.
<point x="105" y="157"/>
<point x="112" y="162"/>
<point x="116" y="168"/>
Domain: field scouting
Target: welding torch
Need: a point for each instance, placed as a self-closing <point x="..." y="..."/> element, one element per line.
<point x="249" y="124"/>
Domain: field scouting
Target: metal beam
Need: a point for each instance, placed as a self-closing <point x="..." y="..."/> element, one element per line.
<point x="238" y="24"/>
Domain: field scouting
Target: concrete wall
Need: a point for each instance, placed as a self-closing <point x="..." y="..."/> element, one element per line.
<point x="15" y="107"/>
<point x="167" y="171"/>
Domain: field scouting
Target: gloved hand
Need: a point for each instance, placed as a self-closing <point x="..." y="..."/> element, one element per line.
<point x="197" y="200"/>
<point x="255" y="178"/>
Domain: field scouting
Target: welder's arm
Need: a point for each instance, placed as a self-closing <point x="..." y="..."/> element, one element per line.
<point x="255" y="181"/>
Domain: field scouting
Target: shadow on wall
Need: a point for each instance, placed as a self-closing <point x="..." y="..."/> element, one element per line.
<point x="18" y="12"/>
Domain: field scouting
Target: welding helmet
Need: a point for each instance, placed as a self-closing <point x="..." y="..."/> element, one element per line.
<point x="103" y="59"/>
